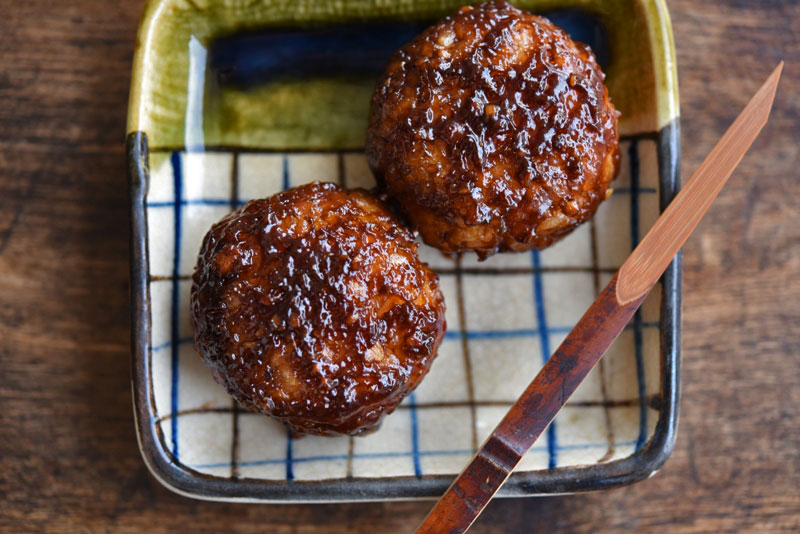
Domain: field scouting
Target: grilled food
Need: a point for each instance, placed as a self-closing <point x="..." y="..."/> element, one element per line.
<point x="493" y="131"/>
<point x="312" y="307"/>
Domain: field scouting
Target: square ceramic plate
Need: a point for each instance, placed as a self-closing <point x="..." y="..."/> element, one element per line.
<point x="233" y="100"/>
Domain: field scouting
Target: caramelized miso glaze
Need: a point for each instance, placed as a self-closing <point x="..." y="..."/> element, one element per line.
<point x="493" y="130"/>
<point x="313" y="307"/>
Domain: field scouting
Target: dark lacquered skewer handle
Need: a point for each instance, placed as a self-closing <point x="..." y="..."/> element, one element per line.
<point x="599" y="326"/>
<point x="535" y="409"/>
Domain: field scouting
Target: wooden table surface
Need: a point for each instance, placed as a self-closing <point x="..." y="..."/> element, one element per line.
<point x="68" y="455"/>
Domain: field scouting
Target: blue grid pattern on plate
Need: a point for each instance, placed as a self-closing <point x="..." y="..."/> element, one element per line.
<point x="177" y="173"/>
<point x="543" y="331"/>
<point x="544" y="339"/>
<point x="378" y="455"/>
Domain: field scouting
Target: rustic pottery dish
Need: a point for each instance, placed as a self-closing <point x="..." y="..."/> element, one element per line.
<point x="234" y="100"/>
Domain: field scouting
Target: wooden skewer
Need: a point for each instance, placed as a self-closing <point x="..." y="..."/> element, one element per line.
<point x="599" y="326"/>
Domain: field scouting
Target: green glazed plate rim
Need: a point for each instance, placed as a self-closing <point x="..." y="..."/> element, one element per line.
<point x="143" y="123"/>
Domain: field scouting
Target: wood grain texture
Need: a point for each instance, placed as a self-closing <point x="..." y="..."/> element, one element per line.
<point x="535" y="409"/>
<point x="600" y="325"/>
<point x="68" y="456"/>
<point x="649" y="260"/>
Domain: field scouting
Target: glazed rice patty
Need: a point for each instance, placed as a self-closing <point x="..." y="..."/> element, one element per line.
<point x="493" y="131"/>
<point x="312" y="307"/>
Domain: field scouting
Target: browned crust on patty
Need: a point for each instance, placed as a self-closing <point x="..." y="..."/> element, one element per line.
<point x="313" y="307"/>
<point x="492" y="131"/>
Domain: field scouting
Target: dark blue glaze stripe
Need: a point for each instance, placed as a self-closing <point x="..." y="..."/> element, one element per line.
<point x="633" y="153"/>
<point x="414" y="435"/>
<point x="177" y="175"/>
<point x="286" y="181"/>
<point x="352" y="50"/>
<point x="544" y="339"/>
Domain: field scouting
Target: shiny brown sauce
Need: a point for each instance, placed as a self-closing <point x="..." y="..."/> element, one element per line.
<point x="313" y="307"/>
<point x="493" y="131"/>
